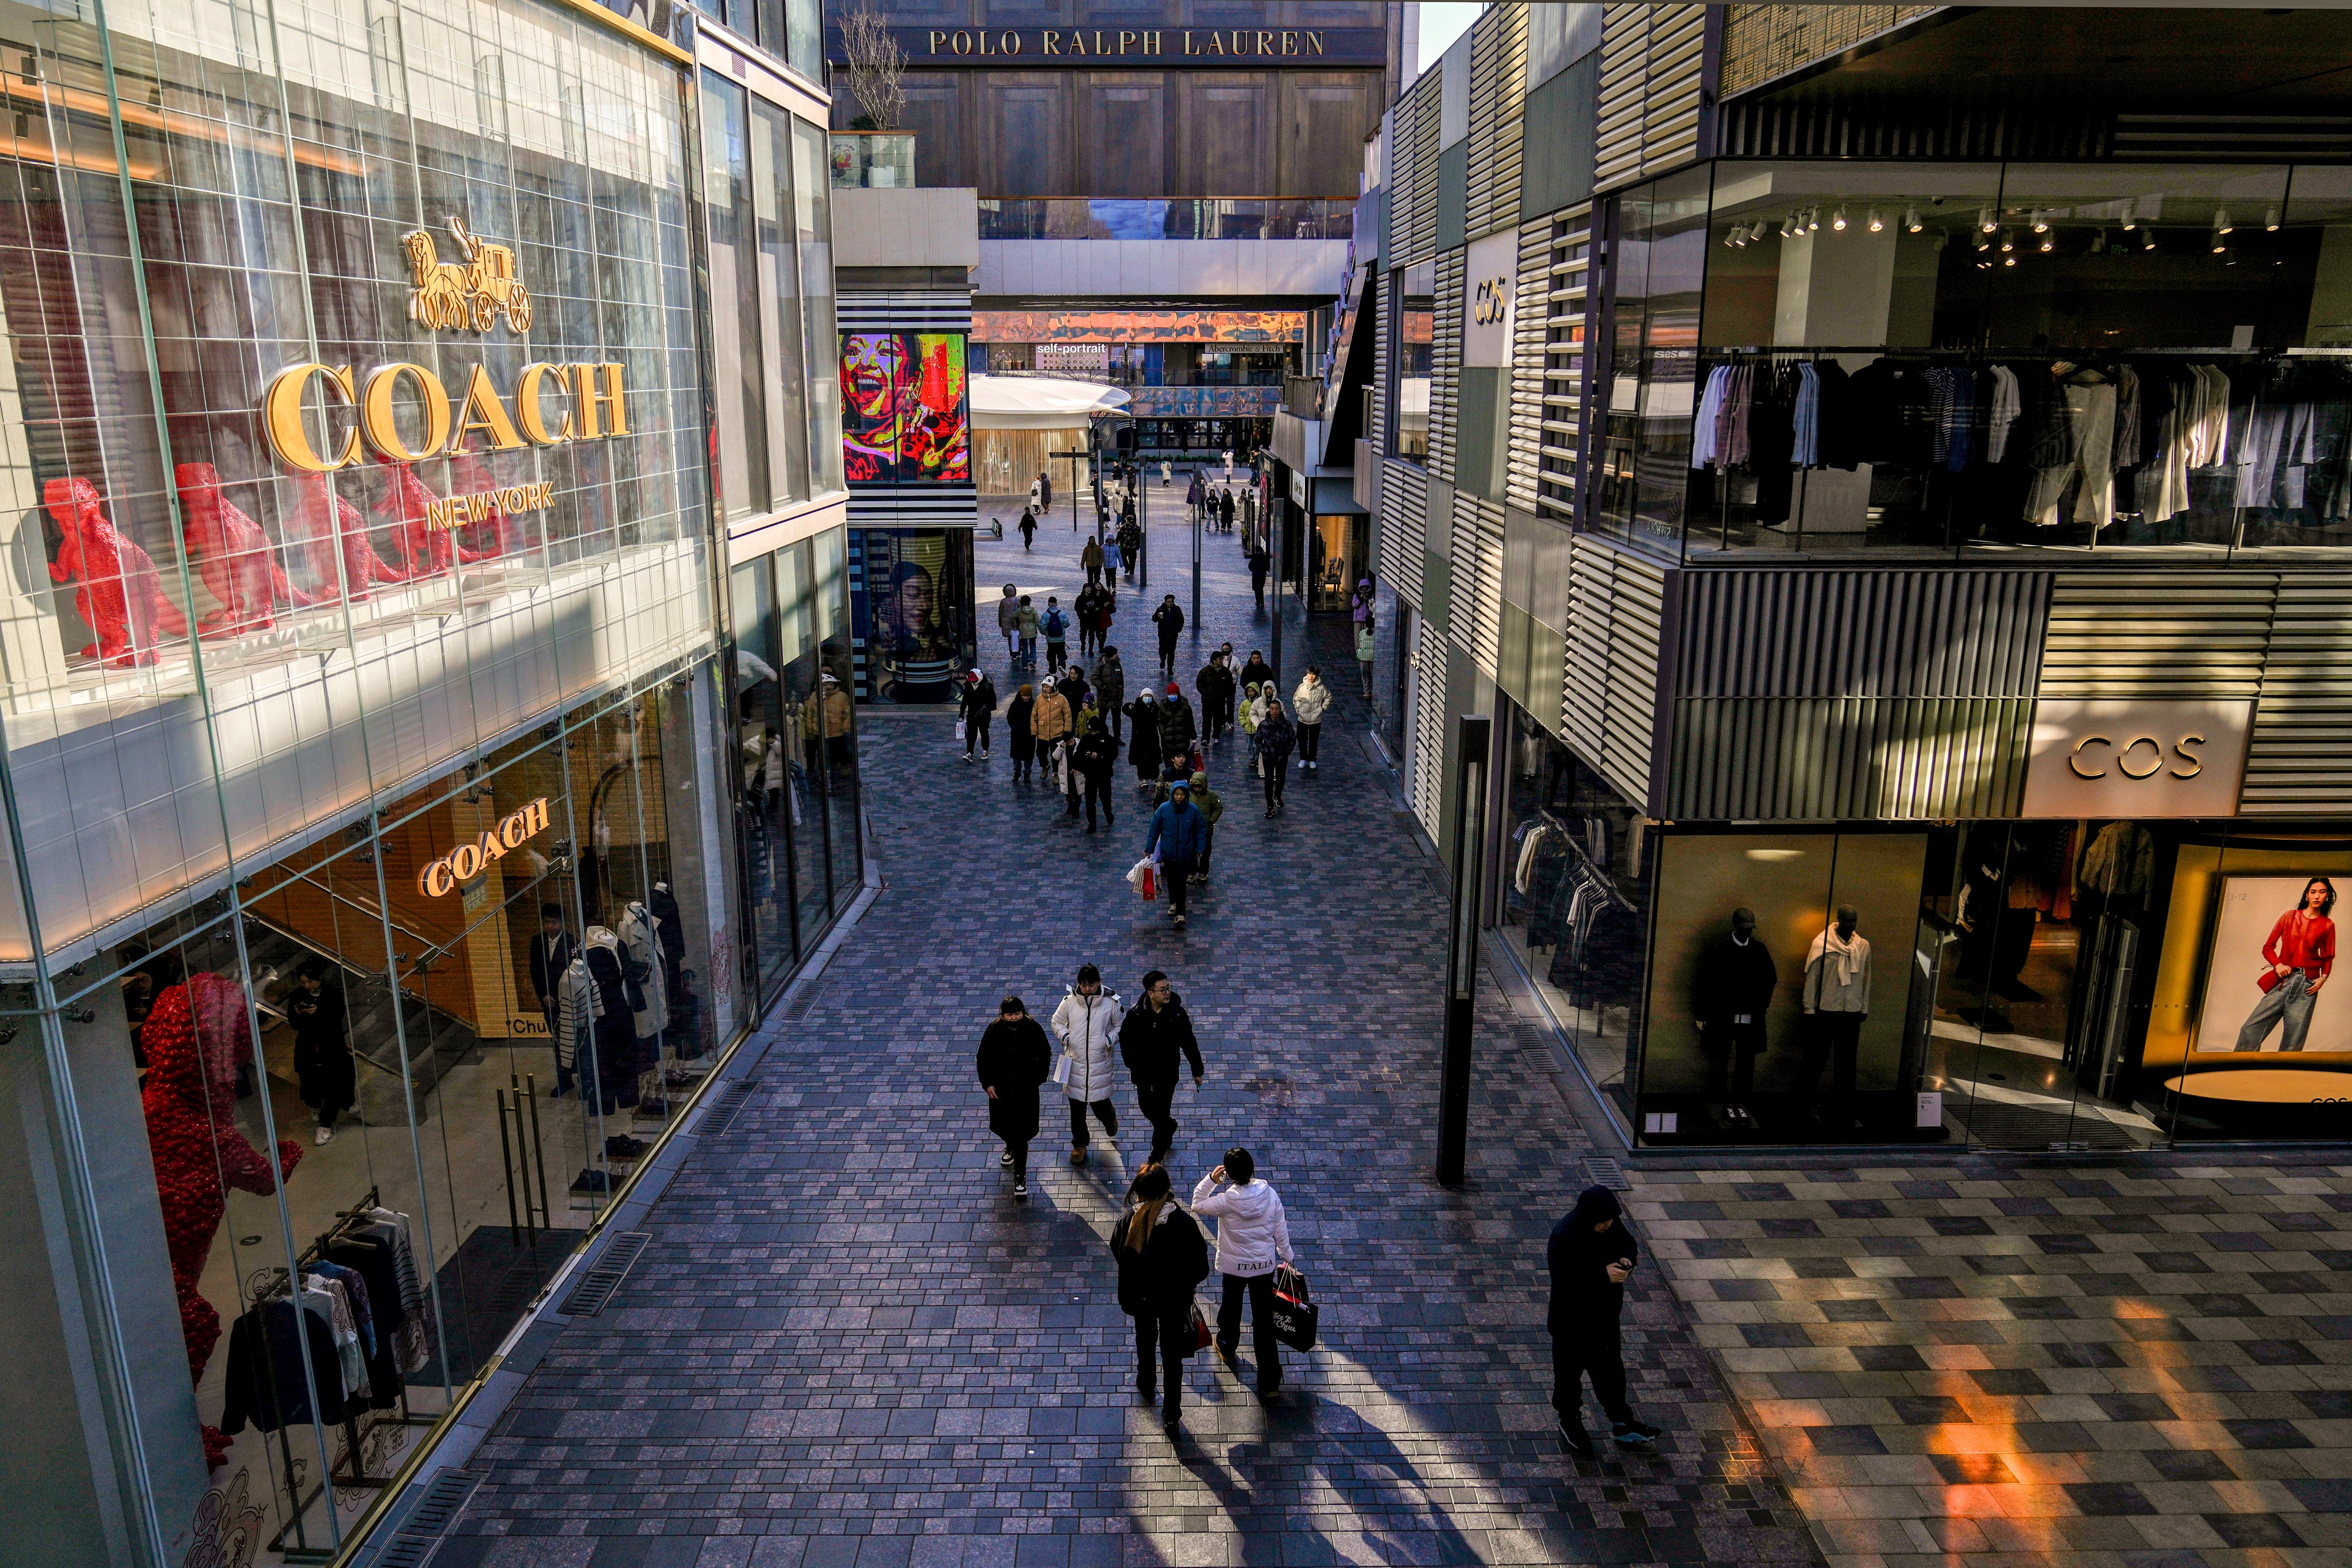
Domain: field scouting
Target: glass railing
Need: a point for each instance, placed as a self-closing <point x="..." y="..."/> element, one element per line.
<point x="1204" y="218"/>
<point x="873" y="160"/>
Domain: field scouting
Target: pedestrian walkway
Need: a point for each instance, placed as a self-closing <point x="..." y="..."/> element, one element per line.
<point x="847" y="1345"/>
<point x="2143" y="1364"/>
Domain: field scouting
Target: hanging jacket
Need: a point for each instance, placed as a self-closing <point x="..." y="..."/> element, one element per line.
<point x="577" y="1009"/>
<point x="638" y="941"/>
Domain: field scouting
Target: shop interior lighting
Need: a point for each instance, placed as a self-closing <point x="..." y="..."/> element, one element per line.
<point x="2270" y="220"/>
<point x="2131" y="215"/>
<point x="1985" y="219"/>
<point x="1812" y="220"/>
<point x="2148" y="239"/>
<point x="1838" y="222"/>
<point x="1789" y="226"/>
<point x="1758" y="232"/>
<point x="2222" y="224"/>
<point x="1911" y="219"/>
<point x="2009" y="261"/>
<point x="2041" y="221"/>
<point x="1877" y="224"/>
<point x="2049" y="242"/>
<point x="2008" y="240"/>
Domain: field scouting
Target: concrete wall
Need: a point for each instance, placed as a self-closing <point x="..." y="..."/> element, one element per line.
<point x="927" y="226"/>
<point x="1062" y="268"/>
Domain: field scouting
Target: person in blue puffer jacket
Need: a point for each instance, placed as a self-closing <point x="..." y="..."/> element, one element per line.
<point x="1179" y="834"/>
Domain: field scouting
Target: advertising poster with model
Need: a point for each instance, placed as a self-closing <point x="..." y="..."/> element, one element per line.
<point x="2268" y="983"/>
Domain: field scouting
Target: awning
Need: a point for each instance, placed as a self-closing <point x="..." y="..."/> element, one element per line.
<point x="1039" y="402"/>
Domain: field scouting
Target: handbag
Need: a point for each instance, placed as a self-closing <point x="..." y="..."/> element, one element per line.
<point x="959" y="732"/>
<point x="1199" y="1335"/>
<point x="1295" y="1315"/>
<point x="1062" y="1070"/>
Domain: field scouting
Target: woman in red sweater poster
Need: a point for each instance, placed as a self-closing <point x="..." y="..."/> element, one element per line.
<point x="2300" y="951"/>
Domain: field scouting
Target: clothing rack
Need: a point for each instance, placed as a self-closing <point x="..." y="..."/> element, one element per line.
<point x="353" y="1432"/>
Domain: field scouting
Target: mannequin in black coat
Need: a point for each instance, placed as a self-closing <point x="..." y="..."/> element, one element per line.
<point x="1014" y="1059"/>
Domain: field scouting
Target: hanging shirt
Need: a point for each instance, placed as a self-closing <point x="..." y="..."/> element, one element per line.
<point x="1711" y="409"/>
<point x="2006" y="406"/>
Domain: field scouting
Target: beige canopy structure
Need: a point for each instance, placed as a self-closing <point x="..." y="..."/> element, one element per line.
<point x="1019" y="422"/>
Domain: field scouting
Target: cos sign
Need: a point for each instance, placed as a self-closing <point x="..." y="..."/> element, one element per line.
<point x="2135" y="759"/>
<point x="465" y="862"/>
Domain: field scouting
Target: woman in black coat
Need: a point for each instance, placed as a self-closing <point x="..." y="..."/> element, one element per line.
<point x="322" y="1056"/>
<point x="1014" y="1061"/>
<point x="1162" y="1256"/>
<point x="1143" y="739"/>
<point x="1017" y="728"/>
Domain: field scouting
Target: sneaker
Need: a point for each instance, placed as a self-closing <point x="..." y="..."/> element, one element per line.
<point x="1632" y="1433"/>
<point x="1078" y="1155"/>
<point x="1578" y="1441"/>
<point x="1179" y="923"/>
<point x="1005" y="1159"/>
<point x="326" y="1135"/>
<point x="1021" y="1189"/>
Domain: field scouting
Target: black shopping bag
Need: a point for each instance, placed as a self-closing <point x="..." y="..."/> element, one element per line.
<point x="1295" y="1315"/>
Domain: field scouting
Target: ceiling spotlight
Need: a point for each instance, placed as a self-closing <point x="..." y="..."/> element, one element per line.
<point x="1911" y="219"/>
<point x="1838" y="223"/>
<point x="2148" y="239"/>
<point x="2041" y="222"/>
<point x="2009" y="261"/>
<point x="2099" y="243"/>
<point x="1736" y="237"/>
<point x="2221" y="220"/>
<point x="2049" y="241"/>
<point x="1985" y="219"/>
<point x="1758" y="232"/>
<point x="1877" y="224"/>
<point x="2008" y="240"/>
<point x="2220" y="241"/>
<point x="1812" y="220"/>
<point x="2270" y="219"/>
<point x="1788" y="225"/>
<point x="1983" y="244"/>
<point x="2131" y="215"/>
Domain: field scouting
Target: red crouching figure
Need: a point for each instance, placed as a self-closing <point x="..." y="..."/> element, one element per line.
<point x="324" y="523"/>
<point x="120" y="592"/>
<point x="233" y="555"/>
<point x="426" y="549"/>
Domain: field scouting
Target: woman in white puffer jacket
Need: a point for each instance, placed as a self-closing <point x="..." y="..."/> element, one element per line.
<point x="1253" y="1236"/>
<point x="1086" y="1023"/>
<point x="1307" y="705"/>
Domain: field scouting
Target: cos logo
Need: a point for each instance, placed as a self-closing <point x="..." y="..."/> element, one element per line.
<point x="2092" y="754"/>
<point x="464" y="863"/>
<point x="1490" y="302"/>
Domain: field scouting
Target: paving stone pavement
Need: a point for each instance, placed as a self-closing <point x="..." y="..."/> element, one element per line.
<point x="2139" y="1364"/>
<point x="849" y="1345"/>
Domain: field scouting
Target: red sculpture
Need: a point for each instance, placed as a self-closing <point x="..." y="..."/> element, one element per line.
<point x="468" y="477"/>
<point x="427" y="550"/>
<point x="233" y="555"/>
<point x="324" y="523"/>
<point x="121" y="594"/>
<point x="196" y="1038"/>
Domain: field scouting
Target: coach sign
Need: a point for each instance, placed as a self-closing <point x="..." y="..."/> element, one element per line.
<point x="2135" y="759"/>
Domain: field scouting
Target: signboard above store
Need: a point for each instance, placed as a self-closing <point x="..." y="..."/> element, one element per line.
<point x="2136" y="760"/>
<point x="1050" y="49"/>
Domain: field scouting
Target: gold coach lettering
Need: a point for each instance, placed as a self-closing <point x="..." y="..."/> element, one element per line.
<point x="465" y="862"/>
<point x="599" y="408"/>
<point x="2131" y="761"/>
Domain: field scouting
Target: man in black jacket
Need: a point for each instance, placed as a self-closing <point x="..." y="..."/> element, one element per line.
<point x="1170" y="619"/>
<point x="1097" y="754"/>
<point x="1151" y="1040"/>
<point x="979" y="707"/>
<point x="1591" y="1256"/>
<point x="552" y="953"/>
<point x="1730" y="992"/>
<point x="1215" y="685"/>
<point x="1014" y="1059"/>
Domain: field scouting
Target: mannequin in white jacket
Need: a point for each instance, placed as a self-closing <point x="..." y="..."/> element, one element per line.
<point x="1253" y="1236"/>
<point x="1086" y="1023"/>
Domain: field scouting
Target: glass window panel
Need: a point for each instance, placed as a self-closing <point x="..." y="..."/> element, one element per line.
<point x="1416" y="318"/>
<point x="737" y="369"/>
<point x="780" y="309"/>
<point x="838" y="763"/>
<point x="813" y="199"/>
<point x="805" y="20"/>
<point x="805" y="718"/>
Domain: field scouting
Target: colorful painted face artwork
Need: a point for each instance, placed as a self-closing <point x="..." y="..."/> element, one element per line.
<point x="905" y="415"/>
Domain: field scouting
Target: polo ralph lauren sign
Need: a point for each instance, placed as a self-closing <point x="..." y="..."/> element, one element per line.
<point x="1015" y="48"/>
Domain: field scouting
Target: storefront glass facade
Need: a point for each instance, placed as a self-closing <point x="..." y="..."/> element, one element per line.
<point x="376" y="888"/>
<point x="1971" y="359"/>
<point x="2094" y="985"/>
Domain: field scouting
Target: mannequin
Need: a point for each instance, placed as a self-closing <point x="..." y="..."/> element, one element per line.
<point x="1837" y="1000"/>
<point x="1735" y="980"/>
<point x="618" y="1000"/>
<point x="577" y="1010"/>
<point x="640" y="940"/>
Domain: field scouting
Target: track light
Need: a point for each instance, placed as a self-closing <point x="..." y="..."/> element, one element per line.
<point x="2041" y="223"/>
<point x="1758" y="232"/>
<point x="2131" y="215"/>
<point x="2008" y="240"/>
<point x="2148" y="239"/>
<point x="1838" y="222"/>
<point x="2220" y="240"/>
<point x="1812" y="220"/>
<point x="1877" y="224"/>
<point x="1985" y="220"/>
<point x="2049" y="242"/>
<point x="2221" y="220"/>
<point x="2009" y="261"/>
<point x="1911" y="219"/>
<point x="2270" y="219"/>
<point x="1789" y="225"/>
<point x="1982" y="243"/>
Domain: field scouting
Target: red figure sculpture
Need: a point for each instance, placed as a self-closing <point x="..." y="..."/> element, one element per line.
<point x="233" y="555"/>
<point x="195" y="1040"/>
<point x="427" y="550"/>
<point x="121" y="594"/>
<point x="469" y="478"/>
<point x="324" y="523"/>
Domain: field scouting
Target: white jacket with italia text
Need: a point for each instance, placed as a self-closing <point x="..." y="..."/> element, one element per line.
<point x="1252" y="1233"/>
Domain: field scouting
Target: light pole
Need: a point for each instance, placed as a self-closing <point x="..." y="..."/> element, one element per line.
<point x="1462" y="949"/>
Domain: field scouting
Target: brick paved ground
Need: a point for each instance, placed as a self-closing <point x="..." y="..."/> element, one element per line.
<point x="847" y="1345"/>
<point x="2142" y="1364"/>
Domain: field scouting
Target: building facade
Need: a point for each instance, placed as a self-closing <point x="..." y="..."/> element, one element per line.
<point x="1882" y="504"/>
<point x="395" y="840"/>
<point x="1165" y="192"/>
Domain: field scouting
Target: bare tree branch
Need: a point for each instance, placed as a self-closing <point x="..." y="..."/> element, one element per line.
<point x="877" y="67"/>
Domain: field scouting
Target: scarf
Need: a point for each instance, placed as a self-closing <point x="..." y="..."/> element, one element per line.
<point x="1841" y="956"/>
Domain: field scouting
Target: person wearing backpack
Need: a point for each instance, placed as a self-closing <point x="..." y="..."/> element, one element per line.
<point x="1086" y="1023"/>
<point x="1058" y="633"/>
<point x="1024" y="621"/>
<point x="1014" y="1061"/>
<point x="1253" y="1236"/>
<point x="1161" y="1257"/>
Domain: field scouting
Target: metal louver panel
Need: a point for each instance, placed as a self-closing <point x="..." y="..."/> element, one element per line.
<point x="1384" y="293"/>
<point x="1815" y="758"/>
<point x="1498" y="55"/>
<point x="2157" y="634"/>
<point x="1446" y="363"/>
<point x="1885" y="633"/>
<point x="1413" y="231"/>
<point x="1404" y="500"/>
<point x="1429" y="730"/>
<point x="1567" y="286"/>
<point x="1528" y="312"/>
<point x="1609" y="684"/>
<point x="1476" y="593"/>
<point x="1651" y="59"/>
<point x="2300" y="757"/>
